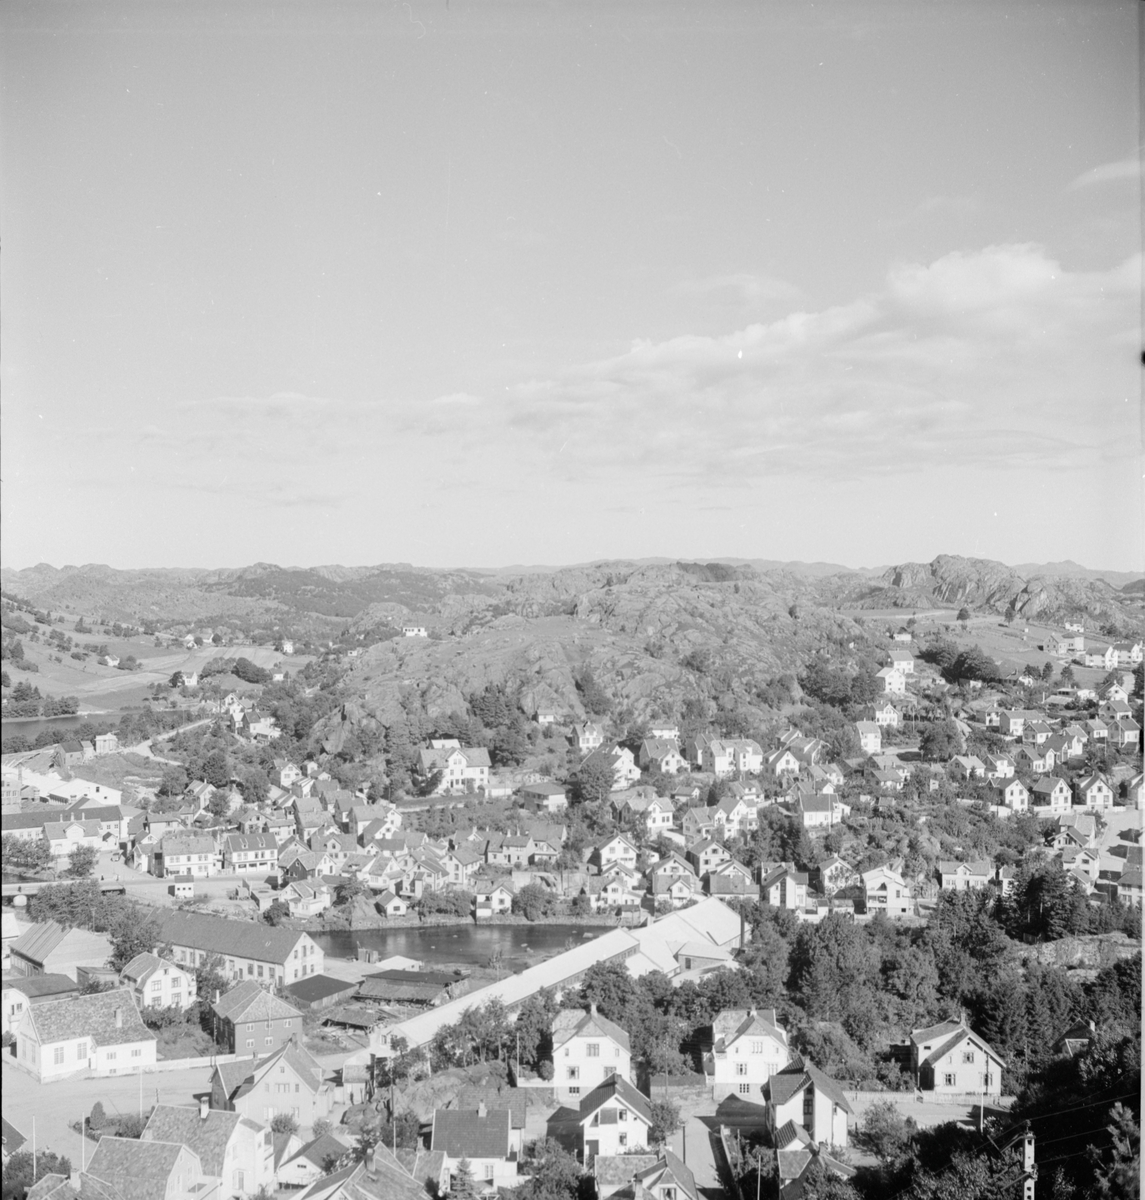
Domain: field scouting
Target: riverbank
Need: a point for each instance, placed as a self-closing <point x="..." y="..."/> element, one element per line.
<point x="367" y="922"/>
<point x="466" y="945"/>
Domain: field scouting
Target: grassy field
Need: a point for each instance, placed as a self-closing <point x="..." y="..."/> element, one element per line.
<point x="105" y="689"/>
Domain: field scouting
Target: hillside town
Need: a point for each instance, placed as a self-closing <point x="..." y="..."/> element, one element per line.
<point x="683" y="852"/>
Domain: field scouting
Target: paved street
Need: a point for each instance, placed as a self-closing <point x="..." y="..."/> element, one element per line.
<point x="693" y="1143"/>
<point x="56" y="1105"/>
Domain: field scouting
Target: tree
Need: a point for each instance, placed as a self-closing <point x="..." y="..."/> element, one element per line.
<point x="940" y="741"/>
<point x="23" y="855"/>
<point x="963" y="614"/>
<point x="216" y="769"/>
<point x="133" y="933"/>
<point x="18" y="1170"/>
<point x="219" y="805"/>
<point x="884" y="1131"/>
<point x="1118" y="1171"/>
<point x="276" y="913"/>
<point x="462" y="1185"/>
<point x="665" y="1121"/>
<point x="81" y="862"/>
<point x="553" y="1173"/>
<point x="176" y="680"/>
<point x="534" y="901"/>
<point x="283" y="1122"/>
<point x="255" y="784"/>
<point x="594" y="779"/>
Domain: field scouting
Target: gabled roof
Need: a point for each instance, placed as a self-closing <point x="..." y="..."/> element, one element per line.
<point x="143" y="966"/>
<point x="575" y="1022"/>
<point x="108" y="1018"/>
<point x="207" y="1136"/>
<point x="217" y="935"/>
<point x="795" y="1077"/>
<point x="735" y="1023"/>
<point x="138" y="1170"/>
<point x="468" y="1133"/>
<point x="248" y="1001"/>
<point x="615" y="1088"/>
<point x="960" y="1035"/>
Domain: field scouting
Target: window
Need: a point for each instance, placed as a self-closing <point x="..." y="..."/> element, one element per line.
<point x="622" y="1115"/>
<point x="249" y="1043"/>
<point x="757" y="1047"/>
<point x="745" y="1089"/>
<point x="297" y="1087"/>
<point x="260" y="970"/>
<point x="58" y="1056"/>
<point x="489" y="1171"/>
<point x="741" y="1068"/>
<point x="948" y="1080"/>
<point x="81" y="1051"/>
<point x="111" y="1054"/>
<point x="574" y="1091"/>
<point x="269" y="1041"/>
<point x="622" y="1139"/>
<point x="136" y="1053"/>
<point x="593" y="1049"/>
<point x="250" y="968"/>
<point x="968" y="1056"/>
<point x="574" y="1072"/>
<point x="157" y="985"/>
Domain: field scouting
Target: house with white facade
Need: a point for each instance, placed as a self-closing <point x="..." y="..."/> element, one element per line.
<point x="952" y="1058"/>
<point x="100" y="1034"/>
<point x="806" y="1097"/>
<point x="614" y="1118"/>
<point x="587" y="1050"/>
<point x="748" y="1047"/>
<point x="462" y="769"/>
<point x="870" y="736"/>
<point x="157" y="983"/>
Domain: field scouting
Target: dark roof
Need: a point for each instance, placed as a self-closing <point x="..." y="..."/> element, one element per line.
<point x="795" y="1077"/>
<point x="13" y="1138"/>
<point x="321" y="1148"/>
<point x="465" y="1133"/>
<point x="249" y="1001"/>
<point x="37" y="986"/>
<point x="138" y="1170"/>
<point x="93" y="1015"/>
<point x="318" y="987"/>
<point x="614" y="1087"/>
<point x="207" y="1136"/>
<point x="217" y="935"/>
<point x="514" y="1100"/>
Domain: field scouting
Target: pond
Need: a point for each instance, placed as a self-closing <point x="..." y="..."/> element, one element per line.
<point x="520" y="945"/>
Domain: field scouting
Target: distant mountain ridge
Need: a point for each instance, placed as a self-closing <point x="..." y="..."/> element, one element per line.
<point x="390" y="591"/>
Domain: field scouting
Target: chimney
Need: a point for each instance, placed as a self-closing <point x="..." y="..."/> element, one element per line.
<point x="218" y="995"/>
<point x="592" y="1008"/>
<point x="482" y="1111"/>
<point x="204" y="1107"/>
<point x="74" y="1180"/>
<point x="119" y="1018"/>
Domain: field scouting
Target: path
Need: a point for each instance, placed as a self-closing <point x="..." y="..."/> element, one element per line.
<point x="693" y="1144"/>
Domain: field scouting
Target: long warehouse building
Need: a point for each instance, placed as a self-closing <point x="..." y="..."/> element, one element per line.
<point x="682" y="944"/>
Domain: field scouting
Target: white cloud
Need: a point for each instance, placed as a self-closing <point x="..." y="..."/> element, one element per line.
<point x="994" y="358"/>
<point x="1112" y="172"/>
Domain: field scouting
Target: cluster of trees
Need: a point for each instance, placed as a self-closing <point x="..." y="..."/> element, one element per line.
<point x="26" y="701"/>
<point x="243" y="668"/>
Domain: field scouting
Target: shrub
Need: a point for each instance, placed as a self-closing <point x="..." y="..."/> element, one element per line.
<point x="283" y="1123"/>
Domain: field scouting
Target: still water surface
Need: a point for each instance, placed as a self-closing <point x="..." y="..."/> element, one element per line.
<point x="520" y="945"/>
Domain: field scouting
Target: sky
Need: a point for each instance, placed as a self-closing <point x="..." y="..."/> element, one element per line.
<point x="477" y="283"/>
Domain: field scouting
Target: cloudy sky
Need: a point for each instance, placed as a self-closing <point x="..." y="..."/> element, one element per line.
<point x="477" y="283"/>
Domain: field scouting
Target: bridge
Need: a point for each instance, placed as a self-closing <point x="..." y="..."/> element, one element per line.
<point x="9" y="891"/>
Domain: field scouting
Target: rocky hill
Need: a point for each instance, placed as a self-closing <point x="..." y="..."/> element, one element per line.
<point x="983" y="585"/>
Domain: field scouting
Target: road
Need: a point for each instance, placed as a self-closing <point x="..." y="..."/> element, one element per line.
<point x="693" y="1144"/>
<point x="55" y="1105"/>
